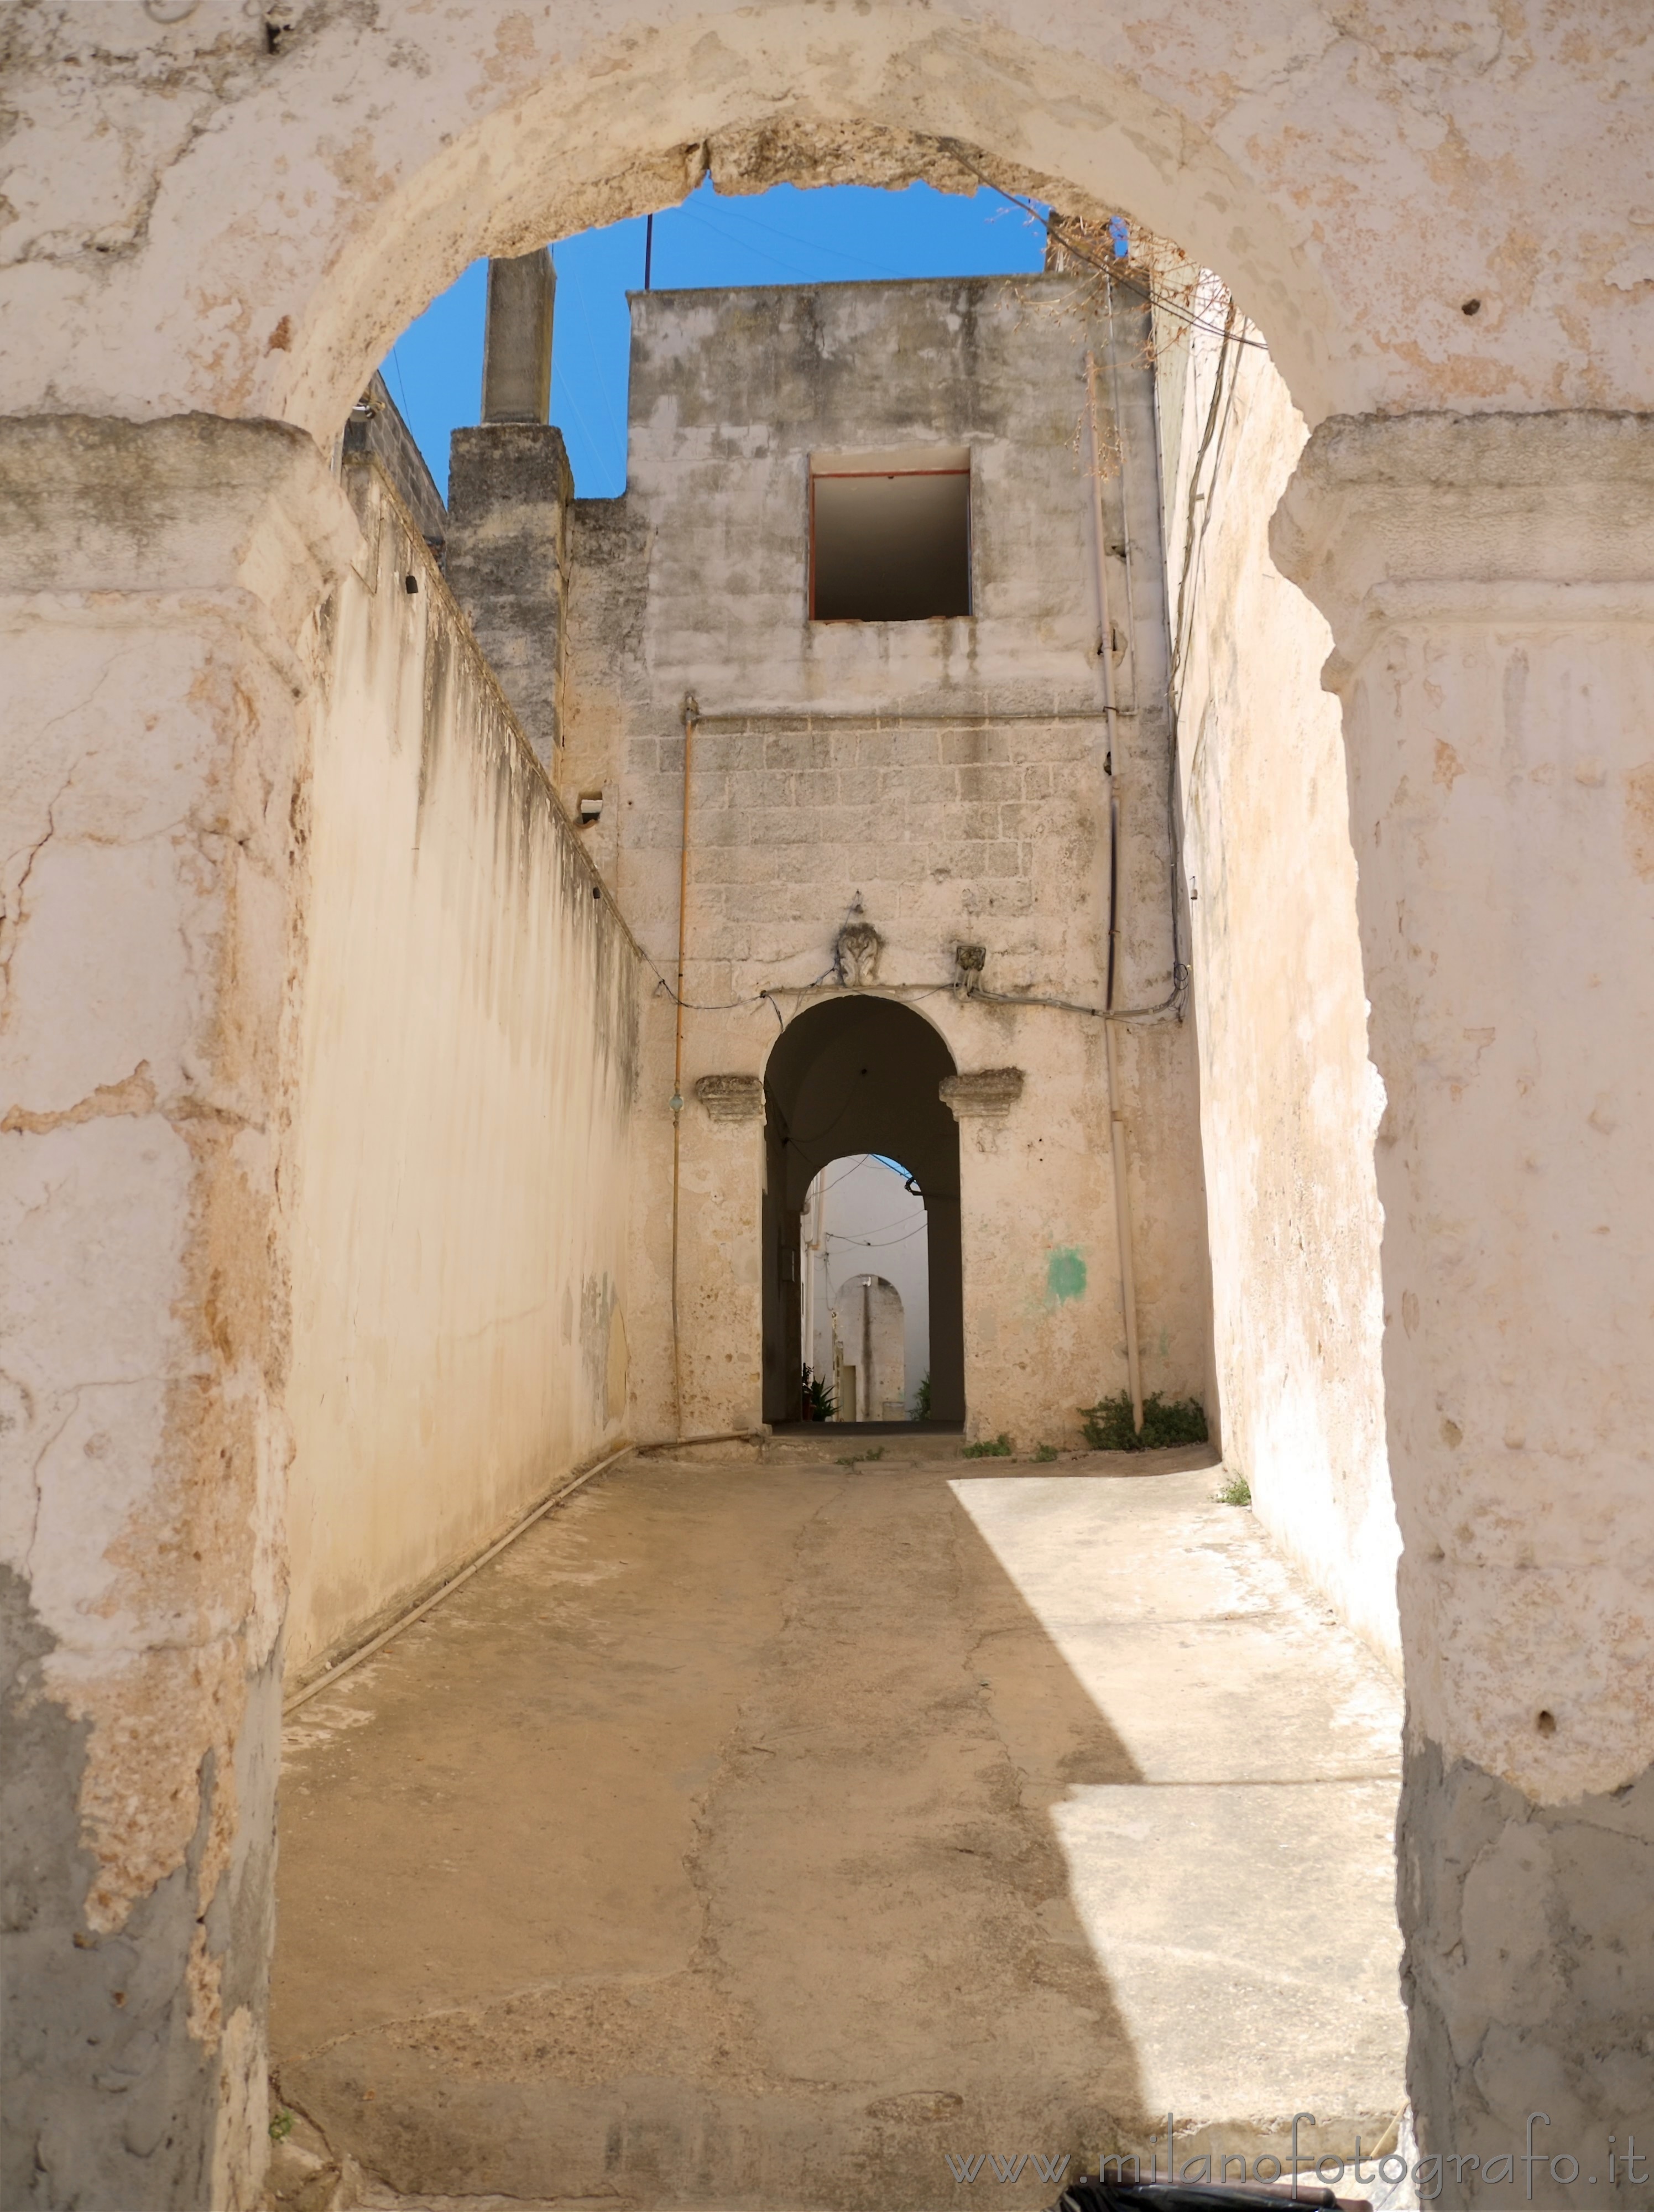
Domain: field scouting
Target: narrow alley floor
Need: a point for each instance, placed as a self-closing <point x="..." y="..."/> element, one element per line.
<point x="771" y="1832"/>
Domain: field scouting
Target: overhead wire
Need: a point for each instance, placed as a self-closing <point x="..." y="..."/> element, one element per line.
<point x="1055" y="227"/>
<point x="743" y="220"/>
<point x="903" y="1221"/>
<point x="873" y="1243"/>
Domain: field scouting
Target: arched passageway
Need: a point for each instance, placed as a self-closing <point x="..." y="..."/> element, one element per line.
<point x="864" y="1212"/>
<point x="212" y="242"/>
<point x="860" y="1075"/>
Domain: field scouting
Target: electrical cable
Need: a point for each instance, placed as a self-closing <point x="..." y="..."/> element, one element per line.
<point x="692" y="716"/>
<point x="1053" y="225"/>
<point x="904" y="1221"/>
<point x="1216" y="427"/>
<point x="856" y="1159"/>
<point x="1071" y="1007"/>
<point x="875" y="1244"/>
<point x="805" y="245"/>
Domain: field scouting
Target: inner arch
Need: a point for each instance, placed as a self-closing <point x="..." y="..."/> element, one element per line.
<point x="860" y="1074"/>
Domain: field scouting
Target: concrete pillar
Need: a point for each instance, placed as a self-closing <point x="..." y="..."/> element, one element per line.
<point x="517" y="339"/>
<point x="157" y="582"/>
<point x="509" y="491"/>
<point x="1490" y="584"/>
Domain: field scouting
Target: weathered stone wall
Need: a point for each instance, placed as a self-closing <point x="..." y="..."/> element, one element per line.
<point x="1488" y="586"/>
<point x="156" y="588"/>
<point x="235" y="210"/>
<point x="1289" y="1100"/>
<point x="461" y="1153"/>
<point x="239" y="208"/>
<point x="950" y="775"/>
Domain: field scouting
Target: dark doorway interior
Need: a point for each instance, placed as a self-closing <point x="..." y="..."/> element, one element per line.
<point x="860" y="1074"/>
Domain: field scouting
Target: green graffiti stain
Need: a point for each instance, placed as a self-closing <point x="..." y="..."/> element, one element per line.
<point x="1065" y="1274"/>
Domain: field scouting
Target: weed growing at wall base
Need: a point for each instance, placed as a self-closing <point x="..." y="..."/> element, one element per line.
<point x="819" y="1401"/>
<point x="1108" y="1426"/>
<point x="998" y="1447"/>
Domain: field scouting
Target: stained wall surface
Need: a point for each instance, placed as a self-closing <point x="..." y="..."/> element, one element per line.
<point x="470" y="1060"/>
<point x="938" y="782"/>
<point x="1290" y="1103"/>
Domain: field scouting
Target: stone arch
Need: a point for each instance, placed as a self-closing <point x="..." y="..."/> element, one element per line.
<point x="250" y="237"/>
<point x="859" y="1073"/>
<point x="236" y="208"/>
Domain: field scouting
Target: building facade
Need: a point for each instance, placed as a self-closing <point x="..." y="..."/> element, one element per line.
<point x="866" y="681"/>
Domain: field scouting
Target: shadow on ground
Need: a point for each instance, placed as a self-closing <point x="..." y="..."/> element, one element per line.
<point x="768" y="1834"/>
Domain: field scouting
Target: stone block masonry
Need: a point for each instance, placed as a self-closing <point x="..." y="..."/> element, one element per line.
<point x="947" y="780"/>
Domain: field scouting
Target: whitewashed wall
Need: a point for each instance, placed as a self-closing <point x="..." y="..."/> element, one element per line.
<point x="1290" y="1103"/>
<point x="870" y="1223"/>
<point x="469" y="1063"/>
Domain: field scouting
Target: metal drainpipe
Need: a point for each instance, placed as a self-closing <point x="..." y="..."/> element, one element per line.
<point x="1122" y="1233"/>
<point x="691" y="716"/>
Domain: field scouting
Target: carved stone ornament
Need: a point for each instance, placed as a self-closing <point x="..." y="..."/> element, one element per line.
<point x="857" y="950"/>
<point x="987" y="1093"/>
<point x="731" y="1097"/>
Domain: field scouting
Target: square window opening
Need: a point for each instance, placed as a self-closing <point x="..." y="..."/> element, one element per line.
<point x="890" y="536"/>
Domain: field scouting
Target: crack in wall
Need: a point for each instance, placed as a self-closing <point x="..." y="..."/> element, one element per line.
<point x="134" y="1094"/>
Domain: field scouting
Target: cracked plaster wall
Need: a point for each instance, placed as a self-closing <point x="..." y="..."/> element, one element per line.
<point x="1488" y="586"/>
<point x="155" y="584"/>
<point x="234" y="207"/>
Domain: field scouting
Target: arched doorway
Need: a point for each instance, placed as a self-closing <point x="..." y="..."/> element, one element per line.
<point x="866" y="1212"/>
<point x="859" y="1074"/>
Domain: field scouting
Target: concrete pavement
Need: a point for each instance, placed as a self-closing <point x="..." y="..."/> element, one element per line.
<point x="768" y="1832"/>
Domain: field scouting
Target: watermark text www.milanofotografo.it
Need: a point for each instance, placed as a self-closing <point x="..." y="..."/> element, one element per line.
<point x="1536" y="2167"/>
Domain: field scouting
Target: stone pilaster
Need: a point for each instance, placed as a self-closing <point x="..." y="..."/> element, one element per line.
<point x="1039" y="1300"/>
<point x="1489" y="583"/>
<point x="156" y="586"/>
<point x="720" y="1264"/>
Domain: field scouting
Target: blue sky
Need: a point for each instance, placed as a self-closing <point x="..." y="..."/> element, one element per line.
<point x="783" y="236"/>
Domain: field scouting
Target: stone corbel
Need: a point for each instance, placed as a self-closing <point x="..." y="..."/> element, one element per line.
<point x="1422" y="521"/>
<point x="855" y="952"/>
<point x="244" y="512"/>
<point x="986" y="1094"/>
<point x="731" y="1097"/>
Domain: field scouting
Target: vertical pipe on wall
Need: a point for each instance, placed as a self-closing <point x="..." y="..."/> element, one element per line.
<point x="691" y="716"/>
<point x="1123" y="1235"/>
<point x="1121" y="1189"/>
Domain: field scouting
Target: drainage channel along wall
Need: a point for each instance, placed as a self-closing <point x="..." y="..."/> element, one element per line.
<point x="469" y="1052"/>
<point x="1290" y="1101"/>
